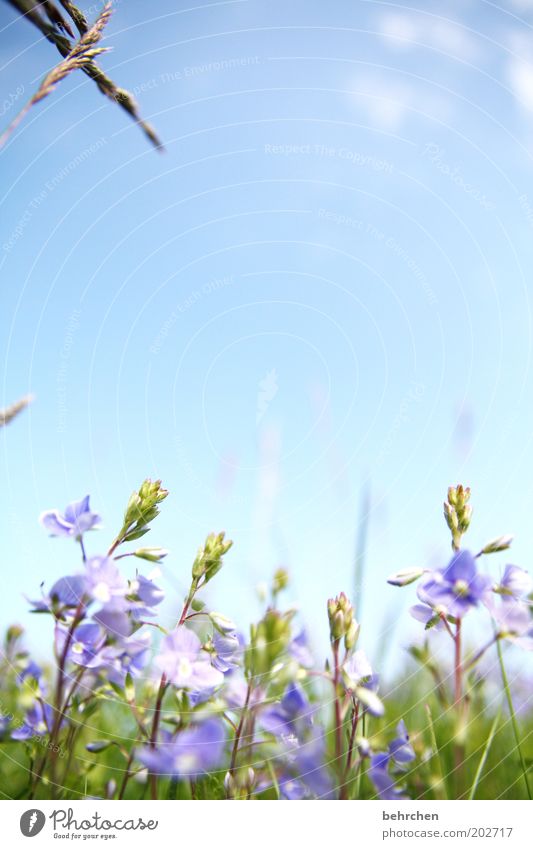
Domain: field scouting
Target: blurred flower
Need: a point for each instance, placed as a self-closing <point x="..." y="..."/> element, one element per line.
<point x="400" y="748"/>
<point x="127" y="655"/>
<point x="191" y="753"/>
<point x="84" y="646"/>
<point x="185" y="663"/>
<point x="74" y="522"/>
<point x="228" y="651"/>
<point x="66" y="592"/>
<point x="299" y="650"/>
<point x="457" y="588"/>
<point x="516" y="582"/>
<point x="356" y="669"/>
<point x="514" y="621"/>
<point x="428" y="615"/>
<point x="289" y="718"/>
<point x="38" y="721"/>
<point x="310" y="766"/>
<point x="382" y="780"/>
<point x="103" y="580"/>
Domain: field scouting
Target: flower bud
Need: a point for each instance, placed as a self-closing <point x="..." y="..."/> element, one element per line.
<point x="402" y="579"/>
<point x="340" y="615"/>
<point x="152" y="554"/>
<point x="352" y="635"/>
<point x="222" y="623"/>
<point x="498" y="544"/>
<point x="280" y="581"/>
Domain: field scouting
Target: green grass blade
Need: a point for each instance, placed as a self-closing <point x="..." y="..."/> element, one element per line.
<point x="484" y="755"/>
<point x="514" y="723"/>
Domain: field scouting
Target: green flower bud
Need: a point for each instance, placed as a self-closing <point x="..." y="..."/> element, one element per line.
<point x="152" y="554"/>
<point x="209" y="557"/>
<point x="280" y="581"/>
<point x="340" y="615"/>
<point x="498" y="544"/>
<point x="337" y="626"/>
<point x="352" y="635"/>
<point x="402" y="579"/>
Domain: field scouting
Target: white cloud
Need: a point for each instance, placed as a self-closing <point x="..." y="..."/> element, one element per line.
<point x="389" y="103"/>
<point x="408" y="30"/>
<point x="520" y="76"/>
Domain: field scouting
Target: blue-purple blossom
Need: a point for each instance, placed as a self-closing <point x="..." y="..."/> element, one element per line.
<point x="192" y="753"/>
<point x="383" y="781"/>
<point x="228" y="651"/>
<point x="516" y="582"/>
<point x="456" y="589"/>
<point x="66" y="592"/>
<point x="143" y="596"/>
<point x="185" y="663"/>
<point x="309" y="764"/>
<point x="289" y="718"/>
<point x="103" y="580"/>
<point x="84" y="645"/>
<point x="33" y="671"/>
<point x="514" y="621"/>
<point x="299" y="650"/>
<point x="74" y="522"/>
<point x="400" y="753"/>
<point x="357" y="669"/>
<point x="426" y="614"/>
<point x="400" y="748"/>
<point x="38" y="721"/>
<point x="127" y="655"/>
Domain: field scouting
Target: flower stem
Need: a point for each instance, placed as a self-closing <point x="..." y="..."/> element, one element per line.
<point x="512" y="714"/>
<point x="459" y="752"/>
<point x="338" y="714"/>
<point x="484" y="756"/>
<point x="239" y="731"/>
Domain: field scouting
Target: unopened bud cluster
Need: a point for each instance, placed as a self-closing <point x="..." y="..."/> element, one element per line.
<point x="458" y="512"/>
<point x="208" y="561"/>
<point x="142" y="508"/>
<point x="269" y="640"/>
<point x="342" y="624"/>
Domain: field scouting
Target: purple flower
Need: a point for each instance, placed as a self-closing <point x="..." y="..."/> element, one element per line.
<point x="457" y="588"/>
<point x="514" y="621"/>
<point x="185" y="663"/>
<point x="424" y="613"/>
<point x="309" y="766"/>
<point x="300" y="651"/>
<point x="228" y="652"/>
<point x="516" y="582"/>
<point x="74" y="522"/>
<point x="357" y="669"/>
<point x="290" y="717"/>
<point x="103" y="580"/>
<point x="291" y="788"/>
<point x="382" y="780"/>
<point x="66" y="592"/>
<point x="191" y="753"/>
<point x="37" y="722"/>
<point x="32" y="670"/>
<point x="115" y="618"/>
<point x="400" y="748"/>
<point x="127" y="655"/>
<point x="144" y="595"/>
<point x="85" y="646"/>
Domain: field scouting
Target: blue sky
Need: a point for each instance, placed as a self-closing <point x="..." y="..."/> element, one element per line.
<point x="323" y="282"/>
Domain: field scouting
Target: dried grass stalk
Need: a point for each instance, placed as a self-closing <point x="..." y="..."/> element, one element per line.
<point x="77" y="56"/>
<point x="7" y="415"/>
